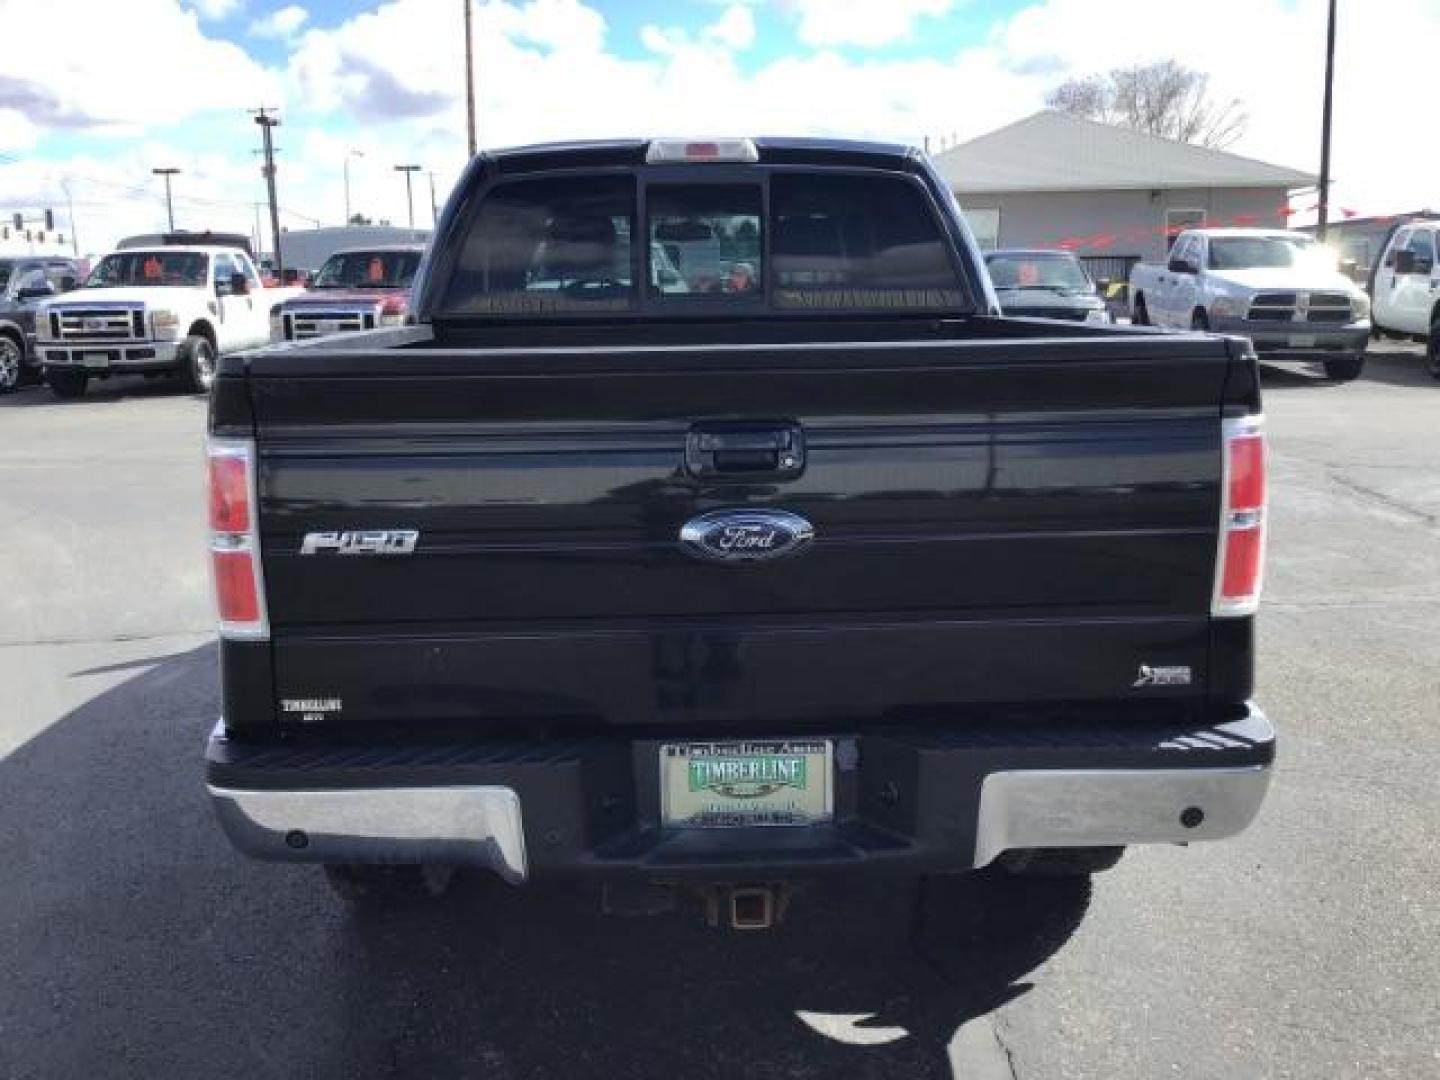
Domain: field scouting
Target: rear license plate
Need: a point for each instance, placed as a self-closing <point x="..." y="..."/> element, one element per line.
<point x="95" y="359"/>
<point x="325" y="326"/>
<point x="727" y="785"/>
<point x="1302" y="341"/>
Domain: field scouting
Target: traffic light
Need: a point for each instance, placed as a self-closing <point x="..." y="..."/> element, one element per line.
<point x="49" y="221"/>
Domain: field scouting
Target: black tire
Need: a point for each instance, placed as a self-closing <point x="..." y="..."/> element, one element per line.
<point x="1140" y="316"/>
<point x="1345" y="368"/>
<point x="12" y="363"/>
<point x="1060" y="862"/>
<point x="197" y="364"/>
<point x="1432" y="350"/>
<point x="386" y="886"/>
<point x="65" y="383"/>
<point x="1199" y="320"/>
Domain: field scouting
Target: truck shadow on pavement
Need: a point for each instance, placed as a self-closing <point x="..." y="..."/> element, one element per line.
<point x="139" y="945"/>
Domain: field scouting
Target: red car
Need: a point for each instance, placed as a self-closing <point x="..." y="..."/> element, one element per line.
<point x="356" y="289"/>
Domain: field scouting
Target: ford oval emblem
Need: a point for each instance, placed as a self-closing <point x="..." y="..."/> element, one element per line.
<point x="746" y="535"/>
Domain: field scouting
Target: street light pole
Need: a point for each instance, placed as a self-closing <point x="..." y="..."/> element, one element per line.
<point x="409" y="195"/>
<point x="348" y="155"/>
<point x="1325" y="128"/>
<point x="434" y="210"/>
<point x="169" y="206"/>
<point x="70" y="202"/>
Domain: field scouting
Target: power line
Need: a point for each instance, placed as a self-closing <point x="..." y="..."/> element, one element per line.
<point x="134" y="193"/>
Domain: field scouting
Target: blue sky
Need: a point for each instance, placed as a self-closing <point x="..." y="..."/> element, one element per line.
<point x="378" y="82"/>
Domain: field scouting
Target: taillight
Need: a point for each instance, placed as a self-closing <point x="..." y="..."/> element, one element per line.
<point x="1240" y="560"/>
<point x="235" y="539"/>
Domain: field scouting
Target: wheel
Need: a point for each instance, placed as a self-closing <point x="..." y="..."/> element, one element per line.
<point x="1345" y="368"/>
<point x="1432" y="350"/>
<point x="1060" y="862"/>
<point x="65" y="383"/>
<point x="1140" y="316"/>
<point x="197" y="364"/>
<point x="12" y="356"/>
<point x="1199" y="321"/>
<point x="380" y="886"/>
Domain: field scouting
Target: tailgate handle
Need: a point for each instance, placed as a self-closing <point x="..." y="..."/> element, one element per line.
<point x="745" y="450"/>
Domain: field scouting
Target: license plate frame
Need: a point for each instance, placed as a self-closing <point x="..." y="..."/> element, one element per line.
<point x="1302" y="341"/>
<point x="93" y="360"/>
<point x="771" y="783"/>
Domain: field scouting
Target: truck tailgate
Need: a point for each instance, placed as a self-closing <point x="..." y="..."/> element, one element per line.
<point x="994" y="521"/>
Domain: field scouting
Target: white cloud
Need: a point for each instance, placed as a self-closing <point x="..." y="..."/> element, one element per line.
<point x="282" y="23"/>
<point x="735" y="28"/>
<point x="824" y="23"/>
<point x="170" y="72"/>
<point x="218" y="9"/>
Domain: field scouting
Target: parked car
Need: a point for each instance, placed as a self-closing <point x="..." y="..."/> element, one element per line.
<point x="1280" y="289"/>
<point x="1045" y="285"/>
<point x="1405" y="288"/>
<point x="729" y="590"/>
<point x="357" y="289"/>
<point x="24" y="282"/>
<point x="160" y="310"/>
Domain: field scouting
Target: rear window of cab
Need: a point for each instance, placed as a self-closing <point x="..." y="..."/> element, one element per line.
<point x="575" y="245"/>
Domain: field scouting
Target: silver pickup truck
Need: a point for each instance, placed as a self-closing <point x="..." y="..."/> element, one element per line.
<point x="1280" y="289"/>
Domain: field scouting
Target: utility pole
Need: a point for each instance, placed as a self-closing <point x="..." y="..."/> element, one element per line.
<point x="266" y="122"/>
<point x="408" y="170"/>
<point x="469" y="78"/>
<point x="1325" y="128"/>
<point x="169" y="206"/>
<point x="434" y="210"/>
<point x="348" y="155"/>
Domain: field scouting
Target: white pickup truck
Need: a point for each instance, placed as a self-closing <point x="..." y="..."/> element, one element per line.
<point x="1280" y="289"/>
<point x="152" y="311"/>
<point x="1406" y="288"/>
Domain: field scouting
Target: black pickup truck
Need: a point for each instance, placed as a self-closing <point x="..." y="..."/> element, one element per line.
<point x="732" y="562"/>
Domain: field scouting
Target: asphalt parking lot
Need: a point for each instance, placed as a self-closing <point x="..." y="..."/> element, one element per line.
<point x="134" y="943"/>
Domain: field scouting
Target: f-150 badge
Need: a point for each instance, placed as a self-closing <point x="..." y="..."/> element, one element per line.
<point x="367" y="542"/>
<point x="745" y="535"/>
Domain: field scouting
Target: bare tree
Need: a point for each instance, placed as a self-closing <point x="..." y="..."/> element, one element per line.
<point x="1164" y="98"/>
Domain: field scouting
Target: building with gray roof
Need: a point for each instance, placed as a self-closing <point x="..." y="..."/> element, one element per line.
<point x="1112" y="195"/>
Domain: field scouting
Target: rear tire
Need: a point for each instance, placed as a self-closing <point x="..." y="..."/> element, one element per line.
<point x="12" y="363"/>
<point x="1140" y="316"/>
<point x="382" y="886"/>
<point x="1345" y="368"/>
<point x="1432" y="350"/>
<point x="197" y="365"/>
<point x="1060" y="862"/>
<point x="65" y="383"/>
<point x="1199" y="320"/>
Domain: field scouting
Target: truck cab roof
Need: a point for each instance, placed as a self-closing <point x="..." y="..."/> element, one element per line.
<point x="771" y="151"/>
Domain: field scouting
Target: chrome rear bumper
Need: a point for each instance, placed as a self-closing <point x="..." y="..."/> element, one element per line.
<point x="1051" y="808"/>
<point x="931" y="800"/>
<point x="465" y="826"/>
